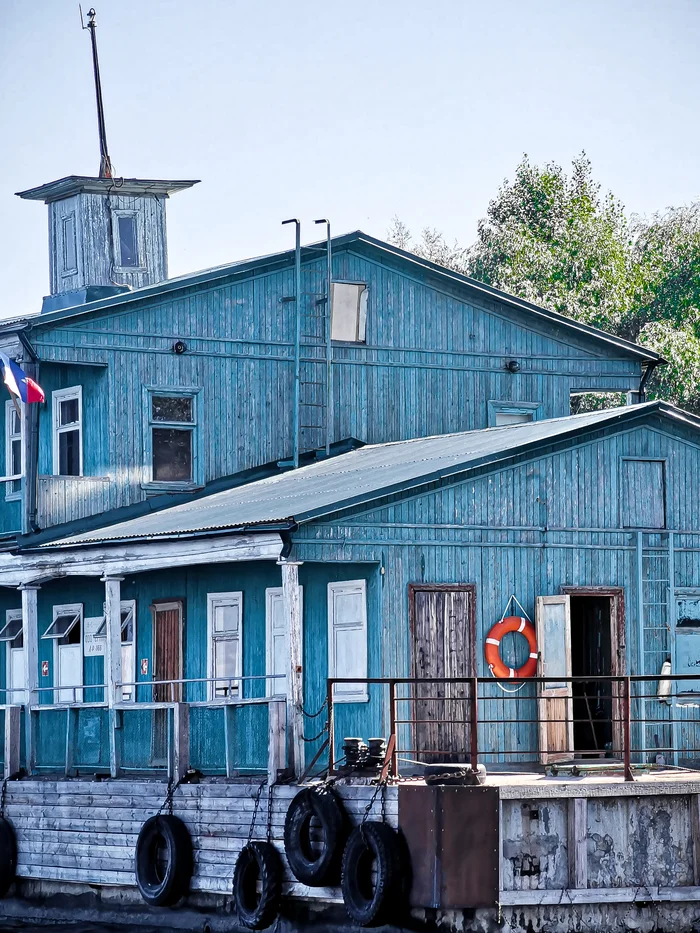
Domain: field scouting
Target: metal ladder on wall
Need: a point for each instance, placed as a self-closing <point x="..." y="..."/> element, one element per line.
<point x="655" y="567"/>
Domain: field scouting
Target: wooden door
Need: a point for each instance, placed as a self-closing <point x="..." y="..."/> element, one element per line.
<point x="442" y="624"/>
<point x="167" y="650"/>
<point x="554" y="700"/>
<point x="167" y="665"/>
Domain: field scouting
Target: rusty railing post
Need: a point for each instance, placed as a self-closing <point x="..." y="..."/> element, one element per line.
<point x="626" y="729"/>
<point x="392" y="729"/>
<point x="474" y="721"/>
<point x="331" y="728"/>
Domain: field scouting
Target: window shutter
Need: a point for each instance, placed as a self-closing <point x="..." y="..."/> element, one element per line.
<point x="643" y="494"/>
<point x="347" y="638"/>
<point x="277" y="637"/>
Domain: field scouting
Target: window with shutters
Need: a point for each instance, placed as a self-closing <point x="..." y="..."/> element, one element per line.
<point x="643" y="499"/>
<point x="68" y="431"/>
<point x="348" y="311"/>
<point x="11" y="633"/>
<point x="13" y="449"/>
<point x="225" y="644"/>
<point x="277" y="638"/>
<point x="347" y="638"/>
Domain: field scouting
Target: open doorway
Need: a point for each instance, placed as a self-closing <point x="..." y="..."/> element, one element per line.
<point x="596" y="652"/>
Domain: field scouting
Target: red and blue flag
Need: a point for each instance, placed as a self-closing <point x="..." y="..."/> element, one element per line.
<point x="18" y="382"/>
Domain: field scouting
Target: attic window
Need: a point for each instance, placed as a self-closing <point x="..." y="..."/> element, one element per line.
<point x="348" y="311"/>
<point x="502" y="412"/>
<point x="127" y="241"/>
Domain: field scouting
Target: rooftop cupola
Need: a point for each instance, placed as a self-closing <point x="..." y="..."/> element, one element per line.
<point x="106" y="234"/>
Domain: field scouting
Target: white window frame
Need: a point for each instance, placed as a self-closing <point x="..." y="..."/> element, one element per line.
<point x="64" y="395"/>
<point x="273" y="594"/>
<point x="140" y="244"/>
<point x="76" y="696"/>
<point x="128" y="676"/>
<point x="10" y="412"/>
<point x="234" y="598"/>
<point x="13" y="698"/>
<point x="348" y="693"/>
<point x="360" y="323"/>
<point x="194" y="427"/>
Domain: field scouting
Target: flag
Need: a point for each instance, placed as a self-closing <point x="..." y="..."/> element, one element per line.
<point x="18" y="382"/>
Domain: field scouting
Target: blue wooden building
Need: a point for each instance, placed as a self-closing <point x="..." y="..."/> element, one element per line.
<point x="338" y="461"/>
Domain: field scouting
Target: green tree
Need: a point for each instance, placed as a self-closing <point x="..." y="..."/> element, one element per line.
<point x="555" y="240"/>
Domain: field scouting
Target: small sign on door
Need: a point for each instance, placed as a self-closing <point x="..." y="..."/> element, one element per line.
<point x="144" y="667"/>
<point x="44" y="668"/>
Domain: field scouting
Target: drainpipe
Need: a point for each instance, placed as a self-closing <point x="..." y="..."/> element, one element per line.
<point x="297" y="334"/>
<point x="30" y="442"/>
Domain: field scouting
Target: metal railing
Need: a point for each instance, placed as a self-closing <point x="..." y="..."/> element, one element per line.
<point x="166" y="707"/>
<point x="542" y="721"/>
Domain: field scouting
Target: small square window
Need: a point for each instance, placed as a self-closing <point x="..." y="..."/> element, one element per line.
<point x="172" y="408"/>
<point x="128" y="243"/>
<point x="12" y="629"/>
<point x="172" y="456"/>
<point x="66" y="627"/>
<point x="348" y="311"/>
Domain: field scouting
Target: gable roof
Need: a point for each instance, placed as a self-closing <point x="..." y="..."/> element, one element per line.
<point x="364" y="475"/>
<point x="362" y="242"/>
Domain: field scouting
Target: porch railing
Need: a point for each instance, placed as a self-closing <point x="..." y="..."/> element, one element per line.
<point x="163" y="707"/>
<point x="543" y="721"/>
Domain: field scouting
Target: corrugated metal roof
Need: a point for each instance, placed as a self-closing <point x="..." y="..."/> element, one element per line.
<point x="361" y="476"/>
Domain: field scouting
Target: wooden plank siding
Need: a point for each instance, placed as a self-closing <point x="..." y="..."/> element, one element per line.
<point x="426" y="340"/>
<point x="86" y="832"/>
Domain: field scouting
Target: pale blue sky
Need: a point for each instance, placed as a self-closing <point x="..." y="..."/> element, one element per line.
<point x="357" y="111"/>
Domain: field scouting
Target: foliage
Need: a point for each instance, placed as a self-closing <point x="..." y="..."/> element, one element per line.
<point x="555" y="240"/>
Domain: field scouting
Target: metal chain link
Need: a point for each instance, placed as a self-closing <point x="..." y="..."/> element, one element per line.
<point x="315" y="738"/>
<point x="3" y="796"/>
<point x="168" y="802"/>
<point x="318" y="711"/>
<point x="269" y="812"/>
<point x="255" y="812"/>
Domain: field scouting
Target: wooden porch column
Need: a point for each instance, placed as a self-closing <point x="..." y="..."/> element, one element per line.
<point x="113" y="662"/>
<point x="295" y="676"/>
<point x="30" y="636"/>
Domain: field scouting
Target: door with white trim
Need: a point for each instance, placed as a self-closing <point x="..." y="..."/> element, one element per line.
<point x="554" y="700"/>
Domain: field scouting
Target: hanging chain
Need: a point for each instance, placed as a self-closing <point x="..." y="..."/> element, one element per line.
<point x="318" y="711"/>
<point x="168" y="802"/>
<point x="3" y="796"/>
<point x="269" y="812"/>
<point x="255" y="812"/>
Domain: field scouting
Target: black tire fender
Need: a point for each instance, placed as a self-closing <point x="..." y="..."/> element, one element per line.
<point x="8" y="855"/>
<point x="257" y="861"/>
<point x="372" y="844"/>
<point x="308" y="867"/>
<point x="164" y="862"/>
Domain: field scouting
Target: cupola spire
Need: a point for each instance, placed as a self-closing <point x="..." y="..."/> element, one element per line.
<point x="105" y="162"/>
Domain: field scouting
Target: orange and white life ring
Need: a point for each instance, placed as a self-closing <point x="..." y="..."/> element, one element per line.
<point x="493" y="644"/>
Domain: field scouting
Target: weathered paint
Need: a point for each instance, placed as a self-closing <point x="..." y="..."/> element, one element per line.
<point x="435" y="356"/>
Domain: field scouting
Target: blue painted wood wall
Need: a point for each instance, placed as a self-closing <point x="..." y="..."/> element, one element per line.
<point x="435" y="355"/>
<point x="527" y="528"/>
